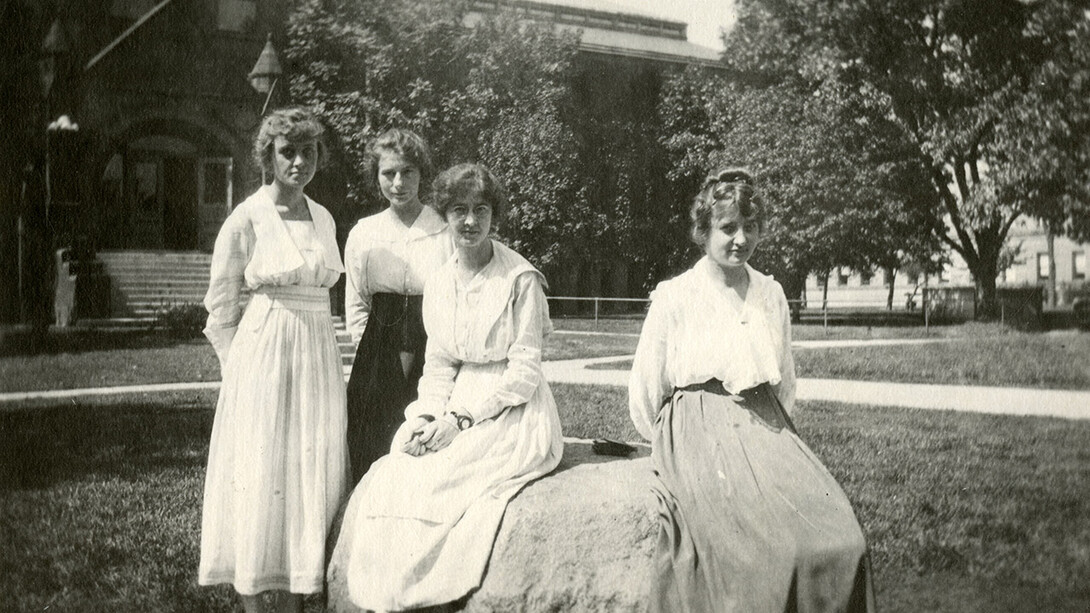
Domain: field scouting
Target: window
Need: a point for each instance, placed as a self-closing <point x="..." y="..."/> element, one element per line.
<point x="865" y="276"/>
<point x="914" y="277"/>
<point x="236" y="15"/>
<point x="841" y="277"/>
<point x="1042" y="266"/>
<point x="1078" y="265"/>
<point x="888" y="277"/>
<point x="821" y="279"/>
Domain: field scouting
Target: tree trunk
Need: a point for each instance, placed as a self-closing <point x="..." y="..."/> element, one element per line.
<point x="984" y="272"/>
<point x="985" y="267"/>
<point x="891" y="272"/>
<point x="1051" y="266"/>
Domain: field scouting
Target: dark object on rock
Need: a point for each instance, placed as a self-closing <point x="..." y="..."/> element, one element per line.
<point x="604" y="446"/>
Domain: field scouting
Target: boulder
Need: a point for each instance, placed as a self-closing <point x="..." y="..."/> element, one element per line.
<point x="579" y="539"/>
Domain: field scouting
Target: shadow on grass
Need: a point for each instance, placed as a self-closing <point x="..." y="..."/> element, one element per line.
<point x="59" y="442"/>
<point x="23" y="343"/>
<point x="100" y="502"/>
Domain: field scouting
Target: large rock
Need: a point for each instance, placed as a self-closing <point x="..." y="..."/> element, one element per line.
<point x="579" y="539"/>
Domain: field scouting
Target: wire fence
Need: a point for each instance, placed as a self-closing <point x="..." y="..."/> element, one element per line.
<point x="1020" y="307"/>
<point x="859" y="310"/>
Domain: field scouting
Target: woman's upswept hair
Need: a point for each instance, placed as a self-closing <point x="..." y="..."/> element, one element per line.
<point x="296" y="124"/>
<point x="407" y="144"/>
<point x="724" y="187"/>
<point x="470" y="178"/>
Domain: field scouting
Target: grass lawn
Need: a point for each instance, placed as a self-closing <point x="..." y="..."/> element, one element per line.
<point x="92" y="358"/>
<point x="100" y="502"/>
<point x="1046" y="361"/>
<point x="805" y="331"/>
<point x="1054" y="361"/>
<point x="970" y="354"/>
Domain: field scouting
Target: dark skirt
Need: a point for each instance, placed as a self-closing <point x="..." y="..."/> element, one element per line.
<point x="749" y="518"/>
<point x="378" y="389"/>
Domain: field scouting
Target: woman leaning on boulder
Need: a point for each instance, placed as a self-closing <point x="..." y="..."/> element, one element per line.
<point x="277" y="462"/>
<point x="749" y="518"/>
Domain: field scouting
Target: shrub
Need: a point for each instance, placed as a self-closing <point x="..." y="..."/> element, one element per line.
<point x="184" y="320"/>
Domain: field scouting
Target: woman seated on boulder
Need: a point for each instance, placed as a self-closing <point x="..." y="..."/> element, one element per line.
<point x="424" y="518"/>
<point x="749" y="518"/>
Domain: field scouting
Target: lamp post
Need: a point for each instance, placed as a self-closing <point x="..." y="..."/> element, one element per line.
<point x="266" y="73"/>
<point x="34" y="222"/>
<point x="264" y="77"/>
<point x="54" y="47"/>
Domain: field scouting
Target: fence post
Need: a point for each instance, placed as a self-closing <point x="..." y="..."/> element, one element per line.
<point x="595" y="312"/>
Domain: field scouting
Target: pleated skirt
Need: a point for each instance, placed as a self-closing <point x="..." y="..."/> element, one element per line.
<point x="750" y="520"/>
<point x="378" y="388"/>
<point x="277" y="462"/>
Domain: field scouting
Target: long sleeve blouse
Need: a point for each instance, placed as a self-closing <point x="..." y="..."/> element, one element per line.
<point x="499" y="317"/>
<point x="254" y="248"/>
<point x="383" y="255"/>
<point x="693" y="333"/>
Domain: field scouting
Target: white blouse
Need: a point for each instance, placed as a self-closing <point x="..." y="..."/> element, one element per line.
<point x="384" y="255"/>
<point x="694" y="332"/>
<point x="498" y="320"/>
<point x="255" y="247"/>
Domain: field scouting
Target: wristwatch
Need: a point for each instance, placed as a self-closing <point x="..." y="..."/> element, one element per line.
<point x="462" y="420"/>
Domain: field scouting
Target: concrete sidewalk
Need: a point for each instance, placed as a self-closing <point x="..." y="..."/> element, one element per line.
<point x="1066" y="404"/>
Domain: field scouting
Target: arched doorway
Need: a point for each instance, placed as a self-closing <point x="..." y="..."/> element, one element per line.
<point x="165" y="185"/>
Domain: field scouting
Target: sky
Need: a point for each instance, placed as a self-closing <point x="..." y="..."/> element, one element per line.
<point x="705" y="17"/>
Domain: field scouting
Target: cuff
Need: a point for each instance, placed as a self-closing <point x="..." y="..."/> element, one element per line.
<point x="221" y="342"/>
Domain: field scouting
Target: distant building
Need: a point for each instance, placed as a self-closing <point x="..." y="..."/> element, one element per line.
<point x="159" y="91"/>
<point x="1028" y="239"/>
<point x="1032" y="261"/>
<point x="609" y="28"/>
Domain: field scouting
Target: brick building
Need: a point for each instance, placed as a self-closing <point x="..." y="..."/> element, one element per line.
<point x="165" y="112"/>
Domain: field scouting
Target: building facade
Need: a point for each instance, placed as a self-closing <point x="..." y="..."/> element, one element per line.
<point x="165" y="117"/>
<point x="165" y="112"/>
<point x="1032" y="251"/>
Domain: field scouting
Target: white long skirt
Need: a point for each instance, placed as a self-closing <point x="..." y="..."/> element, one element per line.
<point x="277" y="462"/>
<point x="424" y="526"/>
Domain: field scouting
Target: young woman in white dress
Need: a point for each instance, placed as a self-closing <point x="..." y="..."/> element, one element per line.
<point x="388" y="255"/>
<point x="749" y="518"/>
<point x="421" y="524"/>
<point x="277" y="462"/>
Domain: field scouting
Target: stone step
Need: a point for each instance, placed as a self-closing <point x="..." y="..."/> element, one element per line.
<point x="151" y="273"/>
<point x="154" y="256"/>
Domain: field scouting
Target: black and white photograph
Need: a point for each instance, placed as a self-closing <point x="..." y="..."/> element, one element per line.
<point x="498" y="306"/>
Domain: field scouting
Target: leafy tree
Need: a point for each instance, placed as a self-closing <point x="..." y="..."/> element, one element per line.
<point x="981" y="89"/>
<point x="491" y="93"/>
<point x="834" y="199"/>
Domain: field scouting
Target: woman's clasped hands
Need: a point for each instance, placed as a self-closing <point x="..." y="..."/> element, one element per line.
<point x="430" y="435"/>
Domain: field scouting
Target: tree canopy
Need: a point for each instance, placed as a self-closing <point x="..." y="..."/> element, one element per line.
<point x="986" y="97"/>
<point x="491" y="93"/>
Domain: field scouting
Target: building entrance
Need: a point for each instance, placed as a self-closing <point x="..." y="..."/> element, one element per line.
<point x="162" y="198"/>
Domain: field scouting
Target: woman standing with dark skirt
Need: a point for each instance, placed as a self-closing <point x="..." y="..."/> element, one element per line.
<point x="749" y="518"/>
<point x="387" y="257"/>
